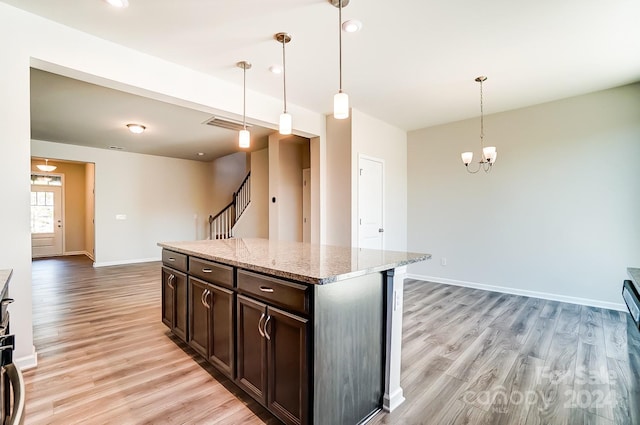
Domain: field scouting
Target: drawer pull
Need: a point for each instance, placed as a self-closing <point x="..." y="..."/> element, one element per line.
<point x="266" y="289"/>
<point x="259" y="325"/>
<point x="171" y="259"/>
<point x="207" y="270"/>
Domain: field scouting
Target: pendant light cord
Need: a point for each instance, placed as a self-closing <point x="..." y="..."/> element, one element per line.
<point x="284" y="73"/>
<point x="244" y="97"/>
<point x="481" y="118"/>
<point x="340" y="41"/>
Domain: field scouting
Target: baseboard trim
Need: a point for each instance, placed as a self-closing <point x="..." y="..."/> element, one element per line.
<point x="75" y="253"/>
<point x="124" y="262"/>
<point x="391" y="401"/>
<point x="514" y="291"/>
<point x="28" y="362"/>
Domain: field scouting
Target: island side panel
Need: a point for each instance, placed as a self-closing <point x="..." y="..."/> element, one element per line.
<point x="349" y="344"/>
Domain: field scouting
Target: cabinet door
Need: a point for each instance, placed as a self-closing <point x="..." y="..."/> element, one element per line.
<point x="168" y="295"/>
<point x="221" y="333"/>
<point x="180" y="322"/>
<point x="199" y="316"/>
<point x="252" y="355"/>
<point x="288" y="376"/>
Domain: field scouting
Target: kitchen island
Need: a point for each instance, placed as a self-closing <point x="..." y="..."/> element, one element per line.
<point x="312" y="332"/>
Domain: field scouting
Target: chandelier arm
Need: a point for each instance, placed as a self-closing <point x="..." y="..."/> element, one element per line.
<point x="473" y="172"/>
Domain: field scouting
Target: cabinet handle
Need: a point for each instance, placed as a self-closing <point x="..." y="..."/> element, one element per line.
<point x="171" y="259"/>
<point x="266" y="289"/>
<point x="206" y="270"/>
<point x="266" y="333"/>
<point x="6" y="301"/>
<point x="203" y="298"/>
<point x="259" y="325"/>
<point x="171" y="279"/>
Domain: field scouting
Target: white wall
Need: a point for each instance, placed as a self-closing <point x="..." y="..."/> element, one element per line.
<point x="159" y="196"/>
<point x="346" y="141"/>
<point x="374" y="138"/>
<point x="56" y="48"/>
<point x="227" y="173"/>
<point x="290" y="190"/>
<point x="338" y="188"/>
<point x="254" y="222"/>
<point x="557" y="215"/>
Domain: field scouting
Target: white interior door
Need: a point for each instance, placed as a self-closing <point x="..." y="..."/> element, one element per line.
<point x="46" y="220"/>
<point x="371" y="203"/>
<point x="306" y="205"/>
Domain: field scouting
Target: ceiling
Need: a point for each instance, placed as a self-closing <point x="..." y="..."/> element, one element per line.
<point x="66" y="110"/>
<point x="413" y="63"/>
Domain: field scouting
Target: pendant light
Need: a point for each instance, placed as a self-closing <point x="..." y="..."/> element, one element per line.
<point x="340" y="99"/>
<point x="244" y="137"/>
<point x="489" y="153"/>
<point x="285" y="117"/>
<point x="46" y="167"/>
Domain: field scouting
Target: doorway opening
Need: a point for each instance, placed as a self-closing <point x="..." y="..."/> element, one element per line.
<point x="62" y="209"/>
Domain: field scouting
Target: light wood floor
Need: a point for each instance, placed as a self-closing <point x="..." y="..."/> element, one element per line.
<point x="469" y="357"/>
<point x="104" y="356"/>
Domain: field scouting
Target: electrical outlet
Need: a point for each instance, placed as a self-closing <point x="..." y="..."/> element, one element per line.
<point x="443" y="261"/>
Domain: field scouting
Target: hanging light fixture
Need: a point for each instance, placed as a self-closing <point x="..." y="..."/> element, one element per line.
<point x="340" y="99"/>
<point x="285" y="117"/>
<point x="46" y="167"/>
<point x="244" y="137"/>
<point x="489" y="153"/>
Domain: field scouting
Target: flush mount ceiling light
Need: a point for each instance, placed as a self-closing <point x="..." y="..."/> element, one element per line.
<point x="351" y="25"/>
<point x="118" y="3"/>
<point x="244" y="137"/>
<point x="136" y="128"/>
<point x="489" y="153"/>
<point x="340" y="99"/>
<point x="46" y="167"/>
<point x="285" y="117"/>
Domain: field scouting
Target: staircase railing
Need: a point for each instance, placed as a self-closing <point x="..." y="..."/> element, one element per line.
<point x="221" y="224"/>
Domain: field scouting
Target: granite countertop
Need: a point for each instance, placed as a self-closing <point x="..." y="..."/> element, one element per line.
<point x="635" y="275"/>
<point x="5" y="275"/>
<point x="304" y="262"/>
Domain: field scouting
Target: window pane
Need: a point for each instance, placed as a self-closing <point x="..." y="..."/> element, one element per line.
<point x="49" y="200"/>
<point x="41" y="219"/>
<point x="41" y="198"/>
<point x="33" y="198"/>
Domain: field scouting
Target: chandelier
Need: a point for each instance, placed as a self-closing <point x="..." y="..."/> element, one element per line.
<point x="489" y="153"/>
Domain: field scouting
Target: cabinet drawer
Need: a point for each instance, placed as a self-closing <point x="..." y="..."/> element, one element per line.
<point x="278" y="292"/>
<point x="174" y="260"/>
<point x="211" y="272"/>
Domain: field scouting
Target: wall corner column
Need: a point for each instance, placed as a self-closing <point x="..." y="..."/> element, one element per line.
<point x="394" y="281"/>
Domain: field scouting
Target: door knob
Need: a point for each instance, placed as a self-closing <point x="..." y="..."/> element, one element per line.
<point x="380" y="230"/>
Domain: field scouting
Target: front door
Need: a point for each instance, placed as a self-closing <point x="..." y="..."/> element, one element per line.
<point x="46" y="219"/>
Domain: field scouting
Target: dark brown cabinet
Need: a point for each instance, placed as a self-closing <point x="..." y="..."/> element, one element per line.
<point x="296" y="348"/>
<point x="272" y="358"/>
<point x="174" y="301"/>
<point x="211" y="331"/>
